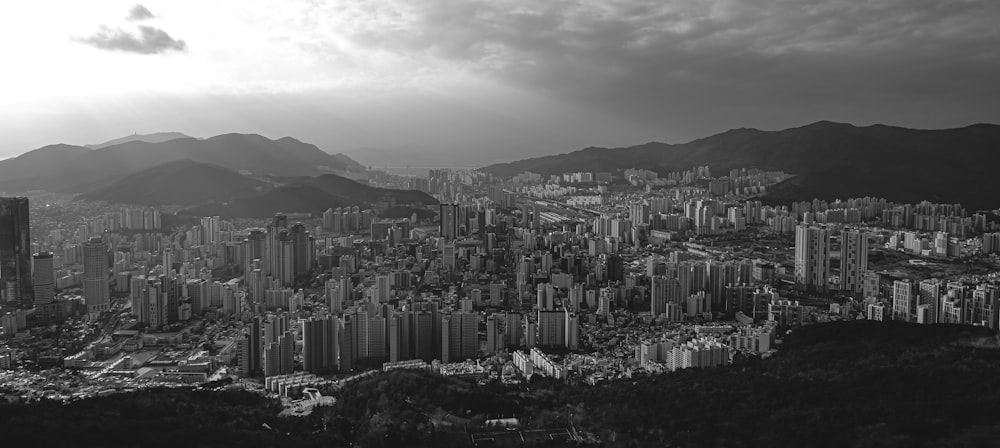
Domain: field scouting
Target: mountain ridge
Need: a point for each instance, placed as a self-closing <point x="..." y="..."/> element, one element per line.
<point x="155" y="137"/>
<point x="879" y="160"/>
<point x="92" y="169"/>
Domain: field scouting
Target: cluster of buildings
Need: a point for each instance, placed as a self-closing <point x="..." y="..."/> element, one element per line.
<point x="598" y="279"/>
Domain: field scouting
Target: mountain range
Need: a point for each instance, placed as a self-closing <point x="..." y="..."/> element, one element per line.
<point x="829" y="160"/>
<point x="78" y="169"/>
<point x="231" y="175"/>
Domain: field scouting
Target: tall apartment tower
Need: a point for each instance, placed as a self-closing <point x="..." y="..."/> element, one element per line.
<point x="853" y="260"/>
<point x="43" y="278"/>
<point x="812" y="257"/>
<point x="658" y="295"/>
<point x="96" y="293"/>
<point x="320" y="344"/>
<point x="449" y="221"/>
<point x="253" y="249"/>
<point x="15" y="253"/>
<point x="459" y="336"/>
<point x="903" y="300"/>
<point x="551" y="328"/>
<point x="251" y="349"/>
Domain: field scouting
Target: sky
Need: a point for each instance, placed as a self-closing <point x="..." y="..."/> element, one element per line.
<point x="479" y="81"/>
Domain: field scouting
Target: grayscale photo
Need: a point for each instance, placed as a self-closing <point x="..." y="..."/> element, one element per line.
<point x="500" y="223"/>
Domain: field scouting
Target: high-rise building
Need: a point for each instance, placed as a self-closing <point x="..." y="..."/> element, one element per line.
<point x="338" y="293"/>
<point x="347" y="356"/>
<point x="931" y="293"/>
<point x="210" y="229"/>
<point x="853" y="260"/>
<point x="96" y="293"/>
<point x="459" y="336"/>
<point x="279" y="355"/>
<point x="398" y="341"/>
<point x="168" y="262"/>
<point x="551" y="328"/>
<point x="253" y="249"/>
<point x="43" y="278"/>
<point x="512" y="329"/>
<point x="382" y="290"/>
<point x="658" y="295"/>
<point x="902" y="300"/>
<point x="15" y="253"/>
<point x="250" y="348"/>
<point x="812" y="257"/>
<point x="303" y="250"/>
<point x="572" y="339"/>
<point x="320" y="345"/>
<point x="448" y="228"/>
<point x="494" y="337"/>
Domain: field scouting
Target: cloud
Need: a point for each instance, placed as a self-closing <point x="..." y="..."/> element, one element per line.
<point x="138" y="13"/>
<point x="148" y="40"/>
<point x="680" y="59"/>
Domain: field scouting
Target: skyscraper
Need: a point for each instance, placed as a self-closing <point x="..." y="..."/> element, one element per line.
<point x="320" y="345"/>
<point x="658" y="295"/>
<point x="459" y="336"/>
<point x="43" y="278"/>
<point x="812" y="257"/>
<point x="449" y="221"/>
<point x="251" y="349"/>
<point x="494" y="337"/>
<point x="902" y="300"/>
<point x="552" y="328"/>
<point x="853" y="260"/>
<point x="15" y="252"/>
<point x="382" y="290"/>
<point x="253" y="249"/>
<point x="95" y="275"/>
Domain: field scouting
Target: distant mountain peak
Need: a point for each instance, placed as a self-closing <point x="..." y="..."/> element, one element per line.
<point x="156" y="137"/>
<point x="825" y="124"/>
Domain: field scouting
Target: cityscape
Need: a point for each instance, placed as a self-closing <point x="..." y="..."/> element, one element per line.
<point x="500" y="224"/>
<point x="583" y="277"/>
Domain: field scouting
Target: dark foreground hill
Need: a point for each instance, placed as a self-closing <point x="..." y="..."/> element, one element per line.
<point x="851" y="384"/>
<point x="830" y="160"/>
<point x="182" y="182"/>
<point x="313" y="195"/>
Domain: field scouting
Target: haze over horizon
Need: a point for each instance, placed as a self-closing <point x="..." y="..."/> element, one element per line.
<point x="488" y="81"/>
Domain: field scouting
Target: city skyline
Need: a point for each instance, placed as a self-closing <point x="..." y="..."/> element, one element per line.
<point x="467" y="223"/>
<point x="484" y="82"/>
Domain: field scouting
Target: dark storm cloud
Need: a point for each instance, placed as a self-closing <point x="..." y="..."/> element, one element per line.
<point x="138" y="13"/>
<point x="661" y="60"/>
<point x="148" y="40"/>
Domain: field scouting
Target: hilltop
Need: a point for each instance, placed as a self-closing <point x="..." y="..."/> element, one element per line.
<point x="181" y="182"/>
